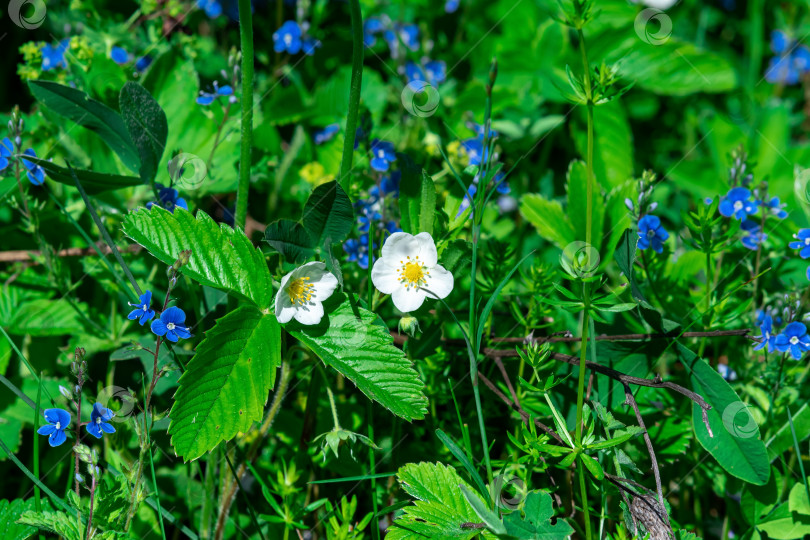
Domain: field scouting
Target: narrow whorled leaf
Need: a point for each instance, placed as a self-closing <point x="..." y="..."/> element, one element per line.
<point x="417" y="197"/>
<point x="147" y="126"/>
<point x="328" y="214"/>
<point x="289" y="238"/>
<point x="362" y="350"/>
<point x="92" y="182"/>
<point x="226" y="383"/>
<point x="221" y="257"/>
<point x="77" y="106"/>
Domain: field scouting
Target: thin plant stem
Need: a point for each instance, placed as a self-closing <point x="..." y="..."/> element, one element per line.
<point x="354" y="93"/>
<point x="154" y="482"/>
<point x="583" y="353"/>
<point x="246" y="37"/>
<point x="37" y="491"/>
<point x="90" y="512"/>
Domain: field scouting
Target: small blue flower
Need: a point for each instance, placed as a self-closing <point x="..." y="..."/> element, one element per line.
<point x="357" y="250"/>
<point x="100" y="421"/>
<point x="651" y="233"/>
<point x="409" y="34"/>
<point x="326" y="134"/>
<point x="768" y="339"/>
<point x="169" y="199"/>
<point x="413" y="72"/>
<point x="753" y="237"/>
<point x="480" y="130"/>
<point x="36" y="174"/>
<point x="392" y="227"/>
<point x="779" y="42"/>
<point x="390" y="37"/>
<point x="6" y="151"/>
<point x="365" y="220"/>
<point x="58" y="422"/>
<point x="389" y="184"/>
<point x="372" y="26"/>
<point x="119" y="55"/>
<point x="776" y="208"/>
<point x="475" y="151"/>
<point x="726" y="372"/>
<point x="142" y="63"/>
<point x="309" y="44"/>
<point x="451" y="6"/>
<point x="171" y="325"/>
<point x="501" y="186"/>
<point x="142" y="309"/>
<point x="206" y="98"/>
<point x="212" y="8"/>
<point x="794" y="339"/>
<point x="436" y="72"/>
<point x="737" y="203"/>
<point x="288" y="38"/>
<point x="54" y="57"/>
<point x="802" y="243"/>
<point x="383" y="155"/>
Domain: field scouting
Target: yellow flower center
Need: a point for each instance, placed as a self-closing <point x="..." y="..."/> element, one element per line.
<point x="300" y="291"/>
<point x="413" y="273"/>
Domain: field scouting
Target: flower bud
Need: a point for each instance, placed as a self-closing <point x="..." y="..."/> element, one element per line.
<point x="65" y="392"/>
<point x="79" y="478"/>
<point x="409" y="325"/>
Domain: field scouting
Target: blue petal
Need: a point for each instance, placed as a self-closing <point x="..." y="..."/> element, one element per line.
<point x="171" y="336"/>
<point x="57" y="415"/>
<point x="94" y="430"/>
<point x="173" y="315"/>
<point x="106" y="427"/>
<point x="205" y="99"/>
<point x="134" y="314"/>
<point x="158" y="327"/>
<point x="146" y="316"/>
<point x="47" y="429"/>
<point x="182" y="331"/>
<point x="57" y="437"/>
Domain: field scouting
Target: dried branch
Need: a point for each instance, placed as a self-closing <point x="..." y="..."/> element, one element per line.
<point x="745" y="332"/>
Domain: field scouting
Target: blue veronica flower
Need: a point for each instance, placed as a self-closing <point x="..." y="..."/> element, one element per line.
<point x="392" y="227"/>
<point x="54" y="56"/>
<point x="36" y="174"/>
<point x="170" y="324"/>
<point x="100" y="418"/>
<point x="737" y="202"/>
<point x="287" y="38"/>
<point x="119" y="55"/>
<point x="206" y="98"/>
<point x="326" y="134"/>
<point x="726" y="372"/>
<point x="776" y="208"/>
<point x="781" y="71"/>
<point x="142" y="63"/>
<point x="436" y="72"/>
<point x="753" y="237"/>
<point x="142" y="309"/>
<point x="389" y="184"/>
<point x="501" y="186"/>
<point x="651" y="233"/>
<point x="384" y="154"/>
<point x="761" y="314"/>
<point x="390" y="37"/>
<point x="467" y="200"/>
<point x="371" y="26"/>
<point x="309" y="44"/>
<point x="794" y="339"/>
<point x="365" y="220"/>
<point x="168" y="198"/>
<point x="767" y="336"/>
<point x="58" y="422"/>
<point x="413" y="72"/>
<point x="212" y="8"/>
<point x="357" y="250"/>
<point x="6" y="151"/>
<point x="480" y="129"/>
<point x="451" y="6"/>
<point x="779" y="42"/>
<point x="802" y="243"/>
<point x="475" y="151"/>
<point x="409" y="34"/>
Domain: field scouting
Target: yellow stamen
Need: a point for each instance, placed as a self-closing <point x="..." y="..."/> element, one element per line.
<point x="412" y="274"/>
<point x="300" y="291"/>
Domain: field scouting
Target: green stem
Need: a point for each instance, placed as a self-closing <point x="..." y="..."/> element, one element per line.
<point x="354" y="93"/>
<point x="333" y="405"/>
<point x="375" y="529"/>
<point x="37" y="491"/>
<point x="583" y="490"/>
<point x="589" y="158"/>
<point x="246" y="35"/>
<point x="583" y="353"/>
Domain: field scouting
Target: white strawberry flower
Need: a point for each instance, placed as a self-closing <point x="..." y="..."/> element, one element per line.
<point x="409" y="271"/>
<point x="303" y="292"/>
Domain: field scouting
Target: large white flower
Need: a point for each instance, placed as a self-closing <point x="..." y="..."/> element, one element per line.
<point x="302" y="293"/>
<point x="409" y="271"/>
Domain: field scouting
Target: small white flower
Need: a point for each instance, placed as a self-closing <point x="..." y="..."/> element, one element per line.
<point x="302" y="293"/>
<point x="409" y="271"/>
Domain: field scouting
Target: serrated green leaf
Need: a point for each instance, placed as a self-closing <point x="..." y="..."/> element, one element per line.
<point x="56" y="522"/>
<point x="289" y="238"/>
<point x="77" y="106"/>
<point x="39" y="317"/>
<point x="363" y="351"/>
<point x="226" y="383"/>
<point x="328" y="213"/>
<point x="10" y="512"/>
<point x="92" y="182"/>
<point x="549" y="219"/>
<point x="221" y="257"/>
<point x="536" y="525"/>
<point x="147" y="126"/>
<point x="441" y="507"/>
<point x="417" y="197"/>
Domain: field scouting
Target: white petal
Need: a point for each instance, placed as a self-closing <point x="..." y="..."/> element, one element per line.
<point x="309" y="314"/>
<point x="324" y="287"/>
<point x="285" y="313"/>
<point x="314" y="270"/>
<point x="427" y="249"/>
<point x="384" y="277"/>
<point x="407" y="300"/>
<point x="397" y="247"/>
<point x="280" y="299"/>
<point x="439" y="282"/>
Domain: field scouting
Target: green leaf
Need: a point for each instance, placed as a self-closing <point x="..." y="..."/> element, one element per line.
<point x="39" y="317"/>
<point x="465" y="461"/>
<point x="549" y="218"/>
<point x="783" y="438"/>
<point x="735" y="445"/>
<point x="593" y="466"/>
<point x="77" y="106"/>
<point x="783" y="524"/>
<point x="92" y="182"/>
<point x="328" y="214"/>
<point x="535" y="523"/>
<point x="417" y="197"/>
<point x="490" y="518"/>
<point x="289" y="238"/>
<point x="577" y="186"/>
<point x="226" y="384"/>
<point x="456" y="255"/>
<point x="147" y="126"/>
<point x="10" y="512"/>
<point x="58" y="523"/>
<point x="221" y="257"/>
<point x="363" y="351"/>
<point x="798" y="500"/>
<point x="441" y="507"/>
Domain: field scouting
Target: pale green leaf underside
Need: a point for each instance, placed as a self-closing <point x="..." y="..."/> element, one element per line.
<point x="441" y="507"/>
<point x="221" y="257"/>
<point x="226" y="383"/>
<point x="363" y="351"/>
